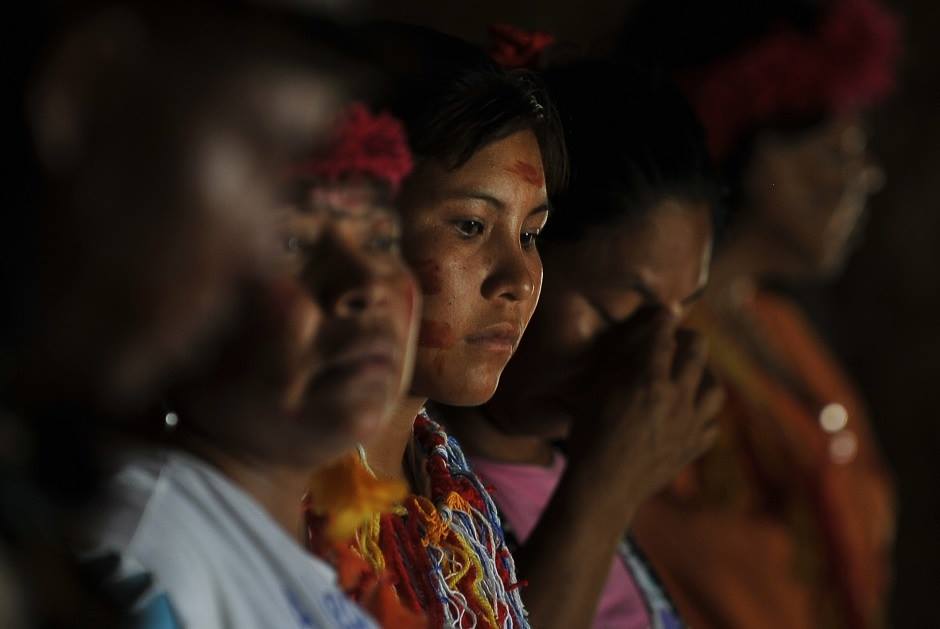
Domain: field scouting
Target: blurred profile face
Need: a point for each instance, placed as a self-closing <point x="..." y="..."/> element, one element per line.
<point x="810" y="191"/>
<point x="343" y="242"/>
<point x="164" y="178"/>
<point x="660" y="258"/>
<point x="470" y="235"/>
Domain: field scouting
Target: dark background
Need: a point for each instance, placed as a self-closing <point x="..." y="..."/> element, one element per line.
<point x="881" y="315"/>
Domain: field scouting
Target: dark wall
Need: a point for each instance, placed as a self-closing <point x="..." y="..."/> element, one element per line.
<point x="884" y="312"/>
<point x="882" y="315"/>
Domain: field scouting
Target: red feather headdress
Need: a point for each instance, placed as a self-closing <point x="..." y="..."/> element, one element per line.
<point x="513" y="47"/>
<point x="848" y="62"/>
<point x="362" y="144"/>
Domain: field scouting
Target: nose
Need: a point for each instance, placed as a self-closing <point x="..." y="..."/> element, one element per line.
<point x="513" y="277"/>
<point x="346" y="282"/>
<point x="676" y="308"/>
<point x="864" y="172"/>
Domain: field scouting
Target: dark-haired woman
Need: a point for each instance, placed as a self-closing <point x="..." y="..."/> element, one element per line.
<point x="603" y="364"/>
<point x="488" y="149"/>
<point x="788" y="522"/>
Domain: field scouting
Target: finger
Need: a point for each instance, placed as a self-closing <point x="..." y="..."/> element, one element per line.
<point x="689" y="365"/>
<point x="625" y="346"/>
<point x="709" y="382"/>
<point x="710" y="404"/>
<point x="704" y="440"/>
<point x="627" y="335"/>
<point x="662" y="348"/>
<point x="707" y="439"/>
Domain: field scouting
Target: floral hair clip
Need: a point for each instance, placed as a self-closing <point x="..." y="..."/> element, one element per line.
<point x="362" y="144"/>
<point x="513" y="47"/>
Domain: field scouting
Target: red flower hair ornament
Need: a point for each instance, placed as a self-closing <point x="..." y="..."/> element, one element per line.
<point x="513" y="47"/>
<point x="847" y="63"/>
<point x="362" y="144"/>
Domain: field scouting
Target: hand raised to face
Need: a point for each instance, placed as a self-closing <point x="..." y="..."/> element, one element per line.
<point x="643" y="404"/>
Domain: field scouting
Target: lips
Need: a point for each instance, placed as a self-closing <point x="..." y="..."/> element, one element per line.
<point x="501" y="337"/>
<point x="365" y="355"/>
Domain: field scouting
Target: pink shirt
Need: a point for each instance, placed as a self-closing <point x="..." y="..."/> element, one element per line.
<point x="522" y="492"/>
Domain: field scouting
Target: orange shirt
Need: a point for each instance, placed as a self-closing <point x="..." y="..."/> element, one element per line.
<point x="788" y="522"/>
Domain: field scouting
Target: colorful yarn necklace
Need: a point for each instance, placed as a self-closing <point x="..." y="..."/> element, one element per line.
<point x="446" y="552"/>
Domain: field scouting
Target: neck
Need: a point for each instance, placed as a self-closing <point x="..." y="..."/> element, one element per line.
<point x="276" y="487"/>
<point x="386" y="450"/>
<point x="480" y="437"/>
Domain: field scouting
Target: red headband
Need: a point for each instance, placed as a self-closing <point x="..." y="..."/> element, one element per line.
<point x="513" y="47"/>
<point x="363" y="144"/>
<point x="847" y="63"/>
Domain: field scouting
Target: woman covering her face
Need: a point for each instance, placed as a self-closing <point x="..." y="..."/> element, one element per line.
<point x="204" y="520"/>
<point x="488" y="149"/>
<point x="603" y="365"/>
<point x="792" y="512"/>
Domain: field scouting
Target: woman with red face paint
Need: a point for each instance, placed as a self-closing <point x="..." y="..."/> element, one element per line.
<point x="488" y="148"/>
<point x="603" y="365"/>
<point x="789" y="521"/>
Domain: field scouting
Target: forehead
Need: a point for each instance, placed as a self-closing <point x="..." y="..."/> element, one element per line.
<point x="358" y="197"/>
<point x="509" y="169"/>
<point x="671" y="241"/>
<point x="668" y="233"/>
<point x="287" y="107"/>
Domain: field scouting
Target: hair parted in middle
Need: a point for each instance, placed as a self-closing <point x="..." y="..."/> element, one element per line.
<point x="454" y="100"/>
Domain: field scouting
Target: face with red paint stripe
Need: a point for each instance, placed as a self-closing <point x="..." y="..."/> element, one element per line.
<point x="469" y="234"/>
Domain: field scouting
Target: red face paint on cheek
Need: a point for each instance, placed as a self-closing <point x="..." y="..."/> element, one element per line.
<point x="436" y="334"/>
<point x="528" y="173"/>
<point x="429" y="274"/>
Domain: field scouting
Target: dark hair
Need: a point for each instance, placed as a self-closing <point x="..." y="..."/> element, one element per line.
<point x="454" y="100"/>
<point x="633" y="141"/>
<point x="682" y="35"/>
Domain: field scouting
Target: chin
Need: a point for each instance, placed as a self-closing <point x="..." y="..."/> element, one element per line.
<point x="530" y="418"/>
<point x="345" y="422"/>
<point x="465" y="390"/>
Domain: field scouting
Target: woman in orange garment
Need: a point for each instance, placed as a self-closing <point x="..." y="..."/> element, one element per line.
<point x="788" y="522"/>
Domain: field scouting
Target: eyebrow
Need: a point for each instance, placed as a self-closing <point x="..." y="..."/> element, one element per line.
<point x="373" y="212"/>
<point x="632" y="281"/>
<point x="635" y="282"/>
<point x="461" y="194"/>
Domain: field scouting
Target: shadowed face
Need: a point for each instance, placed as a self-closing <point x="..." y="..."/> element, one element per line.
<point x="343" y="243"/>
<point x="162" y="195"/>
<point x="470" y="234"/>
<point x="326" y="350"/>
<point x="811" y="191"/>
<point x="660" y="258"/>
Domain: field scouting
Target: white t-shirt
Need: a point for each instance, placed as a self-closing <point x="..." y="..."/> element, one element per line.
<point x="216" y="558"/>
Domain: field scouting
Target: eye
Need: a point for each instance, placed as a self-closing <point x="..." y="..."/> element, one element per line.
<point x="604" y="313"/>
<point x="296" y="252"/>
<point x="529" y="238"/>
<point x="469" y="228"/>
<point x="385" y="243"/>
